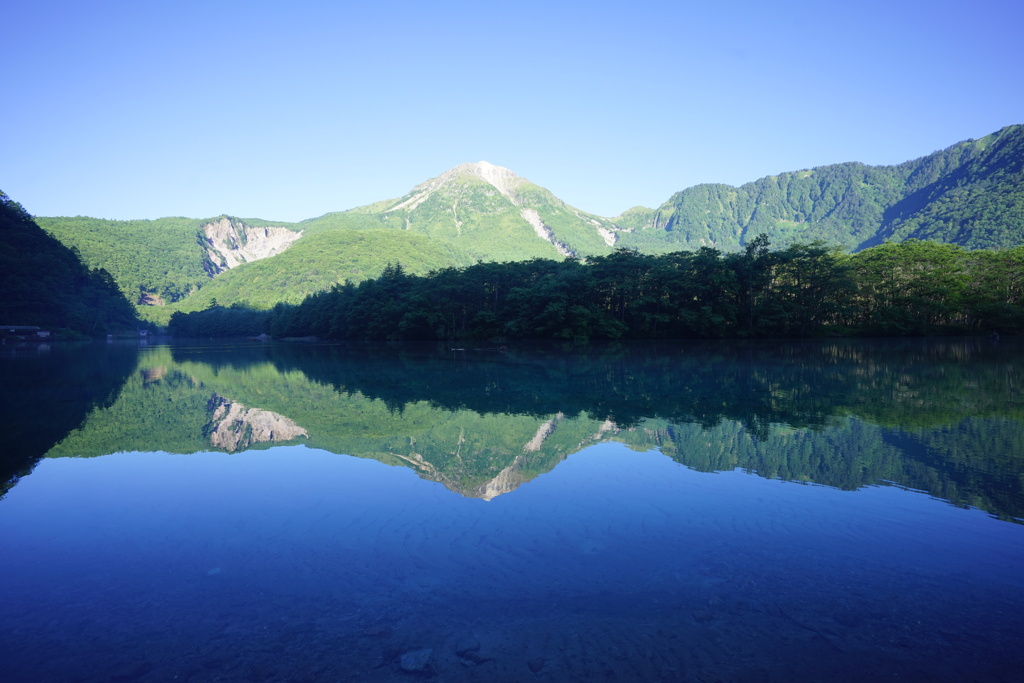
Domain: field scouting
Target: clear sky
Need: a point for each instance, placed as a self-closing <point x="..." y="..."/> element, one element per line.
<point x="288" y="110"/>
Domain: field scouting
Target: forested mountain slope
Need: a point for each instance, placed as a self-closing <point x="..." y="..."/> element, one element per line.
<point x="164" y="260"/>
<point x="971" y="194"/>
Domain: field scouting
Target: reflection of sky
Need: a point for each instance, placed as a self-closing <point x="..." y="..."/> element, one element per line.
<point x="601" y="516"/>
<point x="610" y="531"/>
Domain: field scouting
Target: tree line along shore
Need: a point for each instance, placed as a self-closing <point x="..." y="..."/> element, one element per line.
<point x="911" y="288"/>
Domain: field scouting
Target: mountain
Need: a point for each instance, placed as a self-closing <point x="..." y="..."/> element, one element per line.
<point x="488" y="213"/>
<point x="474" y="212"/>
<point x="162" y="261"/>
<point x="970" y="194"/>
<point x="230" y="243"/>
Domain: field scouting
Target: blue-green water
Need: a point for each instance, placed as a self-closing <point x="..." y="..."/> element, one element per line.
<point x="821" y="511"/>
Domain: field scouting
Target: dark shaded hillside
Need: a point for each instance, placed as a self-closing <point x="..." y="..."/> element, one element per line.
<point x="162" y="258"/>
<point x="970" y="194"/>
<point x="44" y="283"/>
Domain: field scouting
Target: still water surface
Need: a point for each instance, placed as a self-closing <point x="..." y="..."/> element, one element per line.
<point x="821" y="511"/>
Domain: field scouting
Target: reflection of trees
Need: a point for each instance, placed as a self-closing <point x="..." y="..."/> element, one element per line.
<point x="973" y="462"/>
<point x="941" y="416"/>
<point x="47" y="393"/>
<point x="922" y="405"/>
<point x="801" y="384"/>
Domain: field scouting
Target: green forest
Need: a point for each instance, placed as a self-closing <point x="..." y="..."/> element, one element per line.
<point x="803" y="290"/>
<point x="45" y="284"/>
<point x="161" y="258"/>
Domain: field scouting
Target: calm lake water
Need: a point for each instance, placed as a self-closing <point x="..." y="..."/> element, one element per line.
<point x="841" y="511"/>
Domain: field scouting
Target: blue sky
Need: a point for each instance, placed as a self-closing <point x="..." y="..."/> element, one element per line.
<point x="286" y="111"/>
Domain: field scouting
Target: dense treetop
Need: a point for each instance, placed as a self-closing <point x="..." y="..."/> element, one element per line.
<point x="895" y="289"/>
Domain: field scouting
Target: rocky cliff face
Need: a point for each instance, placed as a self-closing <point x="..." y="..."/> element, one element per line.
<point x="229" y="243"/>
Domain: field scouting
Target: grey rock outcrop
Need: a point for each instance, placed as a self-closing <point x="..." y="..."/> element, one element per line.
<point x="229" y="243"/>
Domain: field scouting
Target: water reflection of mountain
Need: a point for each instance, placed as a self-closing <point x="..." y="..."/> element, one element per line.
<point x="942" y="416"/>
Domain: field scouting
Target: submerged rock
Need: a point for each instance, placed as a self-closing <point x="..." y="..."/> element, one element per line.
<point x="473" y="658"/>
<point x="469" y="643"/>
<point x="416" y="661"/>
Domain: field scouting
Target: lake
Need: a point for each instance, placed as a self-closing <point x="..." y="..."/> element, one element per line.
<point x="834" y="510"/>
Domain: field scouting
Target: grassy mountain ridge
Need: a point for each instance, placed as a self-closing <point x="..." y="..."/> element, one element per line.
<point x="314" y="263"/>
<point x="977" y="204"/>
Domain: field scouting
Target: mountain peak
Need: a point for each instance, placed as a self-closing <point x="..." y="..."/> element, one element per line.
<point x="482" y="167"/>
<point x="503" y="179"/>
